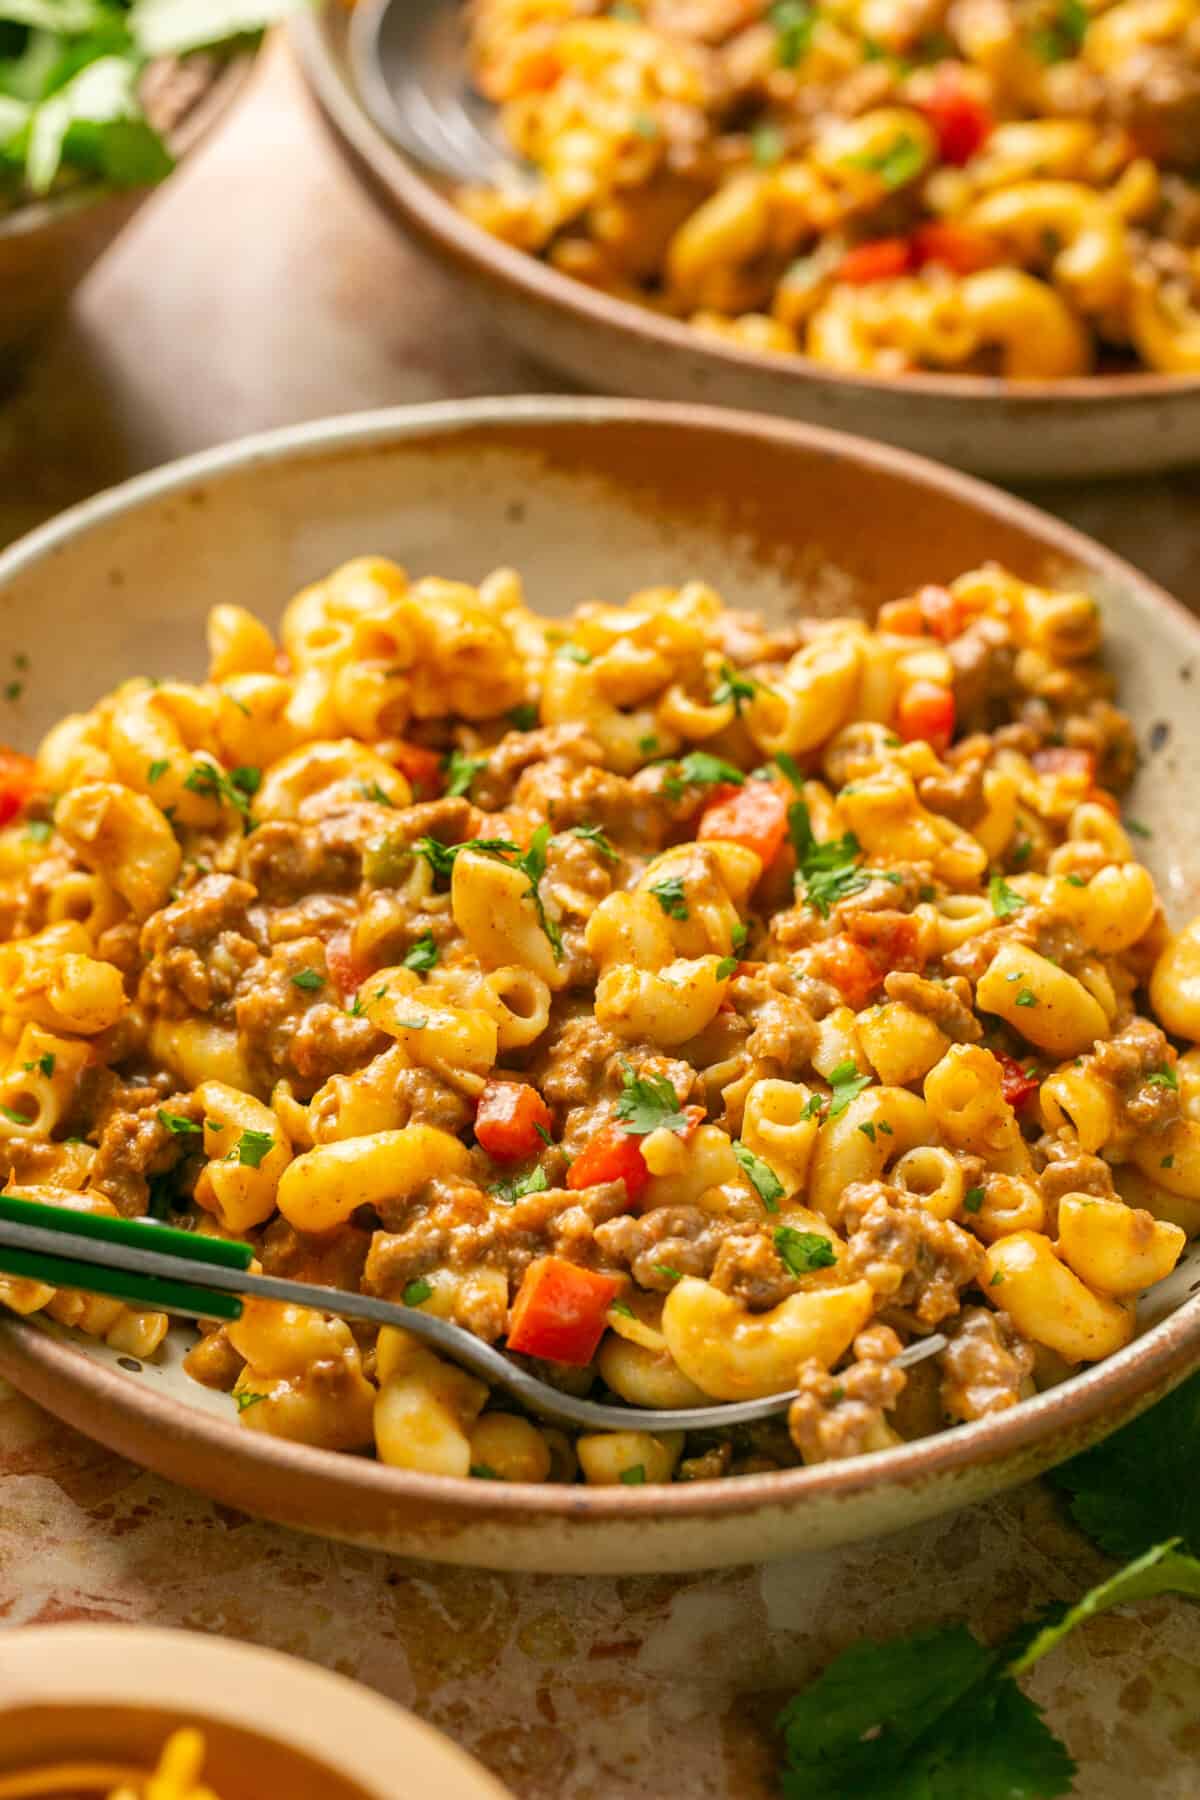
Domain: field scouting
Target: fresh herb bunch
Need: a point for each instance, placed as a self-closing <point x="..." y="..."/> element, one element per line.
<point x="937" y="1715"/>
<point x="71" y="90"/>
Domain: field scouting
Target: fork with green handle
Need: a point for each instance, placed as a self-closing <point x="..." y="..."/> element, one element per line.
<point x="159" y="1267"/>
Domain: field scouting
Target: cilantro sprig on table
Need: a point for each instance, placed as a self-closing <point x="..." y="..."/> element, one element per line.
<point x="937" y="1715"/>
<point x="70" y="84"/>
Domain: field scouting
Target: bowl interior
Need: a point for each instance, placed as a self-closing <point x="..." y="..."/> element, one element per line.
<point x="239" y="1764"/>
<point x="1017" y="431"/>
<point x="586" y="500"/>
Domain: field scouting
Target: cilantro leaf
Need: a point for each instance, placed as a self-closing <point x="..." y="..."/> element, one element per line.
<point x="830" y="871"/>
<point x="524" y="716"/>
<point x="593" y="835"/>
<point x="897" y="164"/>
<point x="847" y="1085"/>
<point x="1062" y="37"/>
<point x="1161" y="1570"/>
<point x="787" y="765"/>
<point x="734" y="685"/>
<point x="177" y="1124"/>
<point x="517" y="1186"/>
<point x="441" y="857"/>
<point x="252" y="1147"/>
<point x="311" y="980"/>
<point x="803" y="1251"/>
<point x="532" y="862"/>
<point x="416" y="1292"/>
<point x="1139" y="1485"/>
<point x="423" y="954"/>
<point x="929" y="1717"/>
<point x="793" y="21"/>
<point x="460" y="770"/>
<point x="762" y="1177"/>
<point x="670" y="895"/>
<point x="648" y="1103"/>
<point x="1005" y="900"/>
<point x="699" y="768"/>
<point x="173" y="27"/>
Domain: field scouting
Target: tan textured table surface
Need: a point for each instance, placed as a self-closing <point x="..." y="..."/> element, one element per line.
<point x="262" y="288"/>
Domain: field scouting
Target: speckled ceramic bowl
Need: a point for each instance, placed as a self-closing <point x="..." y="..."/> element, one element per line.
<point x="589" y="499"/>
<point x="1017" y="432"/>
<point x="273" y="1726"/>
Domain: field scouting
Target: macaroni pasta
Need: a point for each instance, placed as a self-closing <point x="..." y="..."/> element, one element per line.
<point x="702" y="1009"/>
<point x="987" y="186"/>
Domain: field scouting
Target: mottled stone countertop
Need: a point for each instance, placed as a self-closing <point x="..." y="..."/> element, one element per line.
<point x="263" y="288"/>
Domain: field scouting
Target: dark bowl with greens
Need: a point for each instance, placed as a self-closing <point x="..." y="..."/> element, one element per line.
<point x="98" y="101"/>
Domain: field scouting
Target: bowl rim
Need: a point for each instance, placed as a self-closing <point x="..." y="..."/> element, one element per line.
<point x="1131" y="1378"/>
<point x="228" y="82"/>
<point x="436" y="217"/>
<point x="206" y="1679"/>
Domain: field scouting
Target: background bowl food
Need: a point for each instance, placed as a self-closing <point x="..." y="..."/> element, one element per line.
<point x="1095" y="425"/>
<point x="48" y="246"/>
<point x="587" y="498"/>
<point x="272" y="1726"/>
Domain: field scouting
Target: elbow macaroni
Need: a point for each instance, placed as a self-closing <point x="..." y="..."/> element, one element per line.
<point x="642" y="1022"/>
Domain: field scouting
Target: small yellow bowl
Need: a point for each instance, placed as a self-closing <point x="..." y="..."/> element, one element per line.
<point x="107" y="1697"/>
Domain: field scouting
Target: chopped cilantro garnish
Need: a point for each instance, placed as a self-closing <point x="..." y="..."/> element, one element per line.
<point x="232" y="789"/>
<point x="460" y="770"/>
<point x="517" y="1186"/>
<point x="847" y="1084"/>
<point x="670" y="895"/>
<point x="413" y="1024"/>
<point x="1137" y="828"/>
<point x="625" y="1311"/>
<point x="17" y="1118"/>
<point x="251" y="1148"/>
<point x="372" y="791"/>
<point x="868" y="1129"/>
<point x="483" y="1472"/>
<point x="593" y="835"/>
<point x="177" y="1124"/>
<point x="39" y="831"/>
<point x="738" y="935"/>
<point x="1005" y="900"/>
<point x="1076" y="881"/>
<point x="1021" y="853"/>
<point x="768" y="146"/>
<point x="1164" y="1077"/>
<point x="157" y="769"/>
<point x="762" y="1177"/>
<point x="532" y="862"/>
<point x="1026" y="997"/>
<point x="734" y="685"/>
<point x="575" y="653"/>
<point x="1061" y="36"/>
<point x="416" y="1292"/>
<point x="793" y="21"/>
<point x="441" y="857"/>
<point x="997" y="1278"/>
<point x="725" y="967"/>
<point x="666" y="1269"/>
<point x="247" y="1398"/>
<point x="830" y="871"/>
<point x="44" y="1063"/>
<point x="648" y="1103"/>
<point x="789" y="767"/>
<point x="308" y="979"/>
<point x="900" y="162"/>
<point x="803" y="1251"/>
<point x="648" y="744"/>
<point x="973" y="1199"/>
<point x="813" y="1106"/>
<point x="1168" y="1162"/>
<point x="423" y="954"/>
<point x="699" y="768"/>
<point x="523" y="717"/>
<point x="634" y="1476"/>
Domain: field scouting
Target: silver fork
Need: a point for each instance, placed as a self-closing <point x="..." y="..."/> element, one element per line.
<point x="92" y="1258"/>
<point x="409" y="61"/>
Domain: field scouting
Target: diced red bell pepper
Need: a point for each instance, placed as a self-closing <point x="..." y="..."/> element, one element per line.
<point x="962" y="122"/>
<point x="942" y="612"/>
<point x="958" y="247"/>
<point x="891" y="939"/>
<point x="852" y="970"/>
<point x="508" y="1118"/>
<point x="18" y="776"/>
<point x="1016" y="1085"/>
<point x="612" y="1155"/>
<point x="421" y="767"/>
<point x="1065" y="759"/>
<point x="926" y="710"/>
<point x="881" y="259"/>
<point x="560" y="1310"/>
<point x="346" y="971"/>
<point x="754" y="816"/>
<point x="902" y="616"/>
